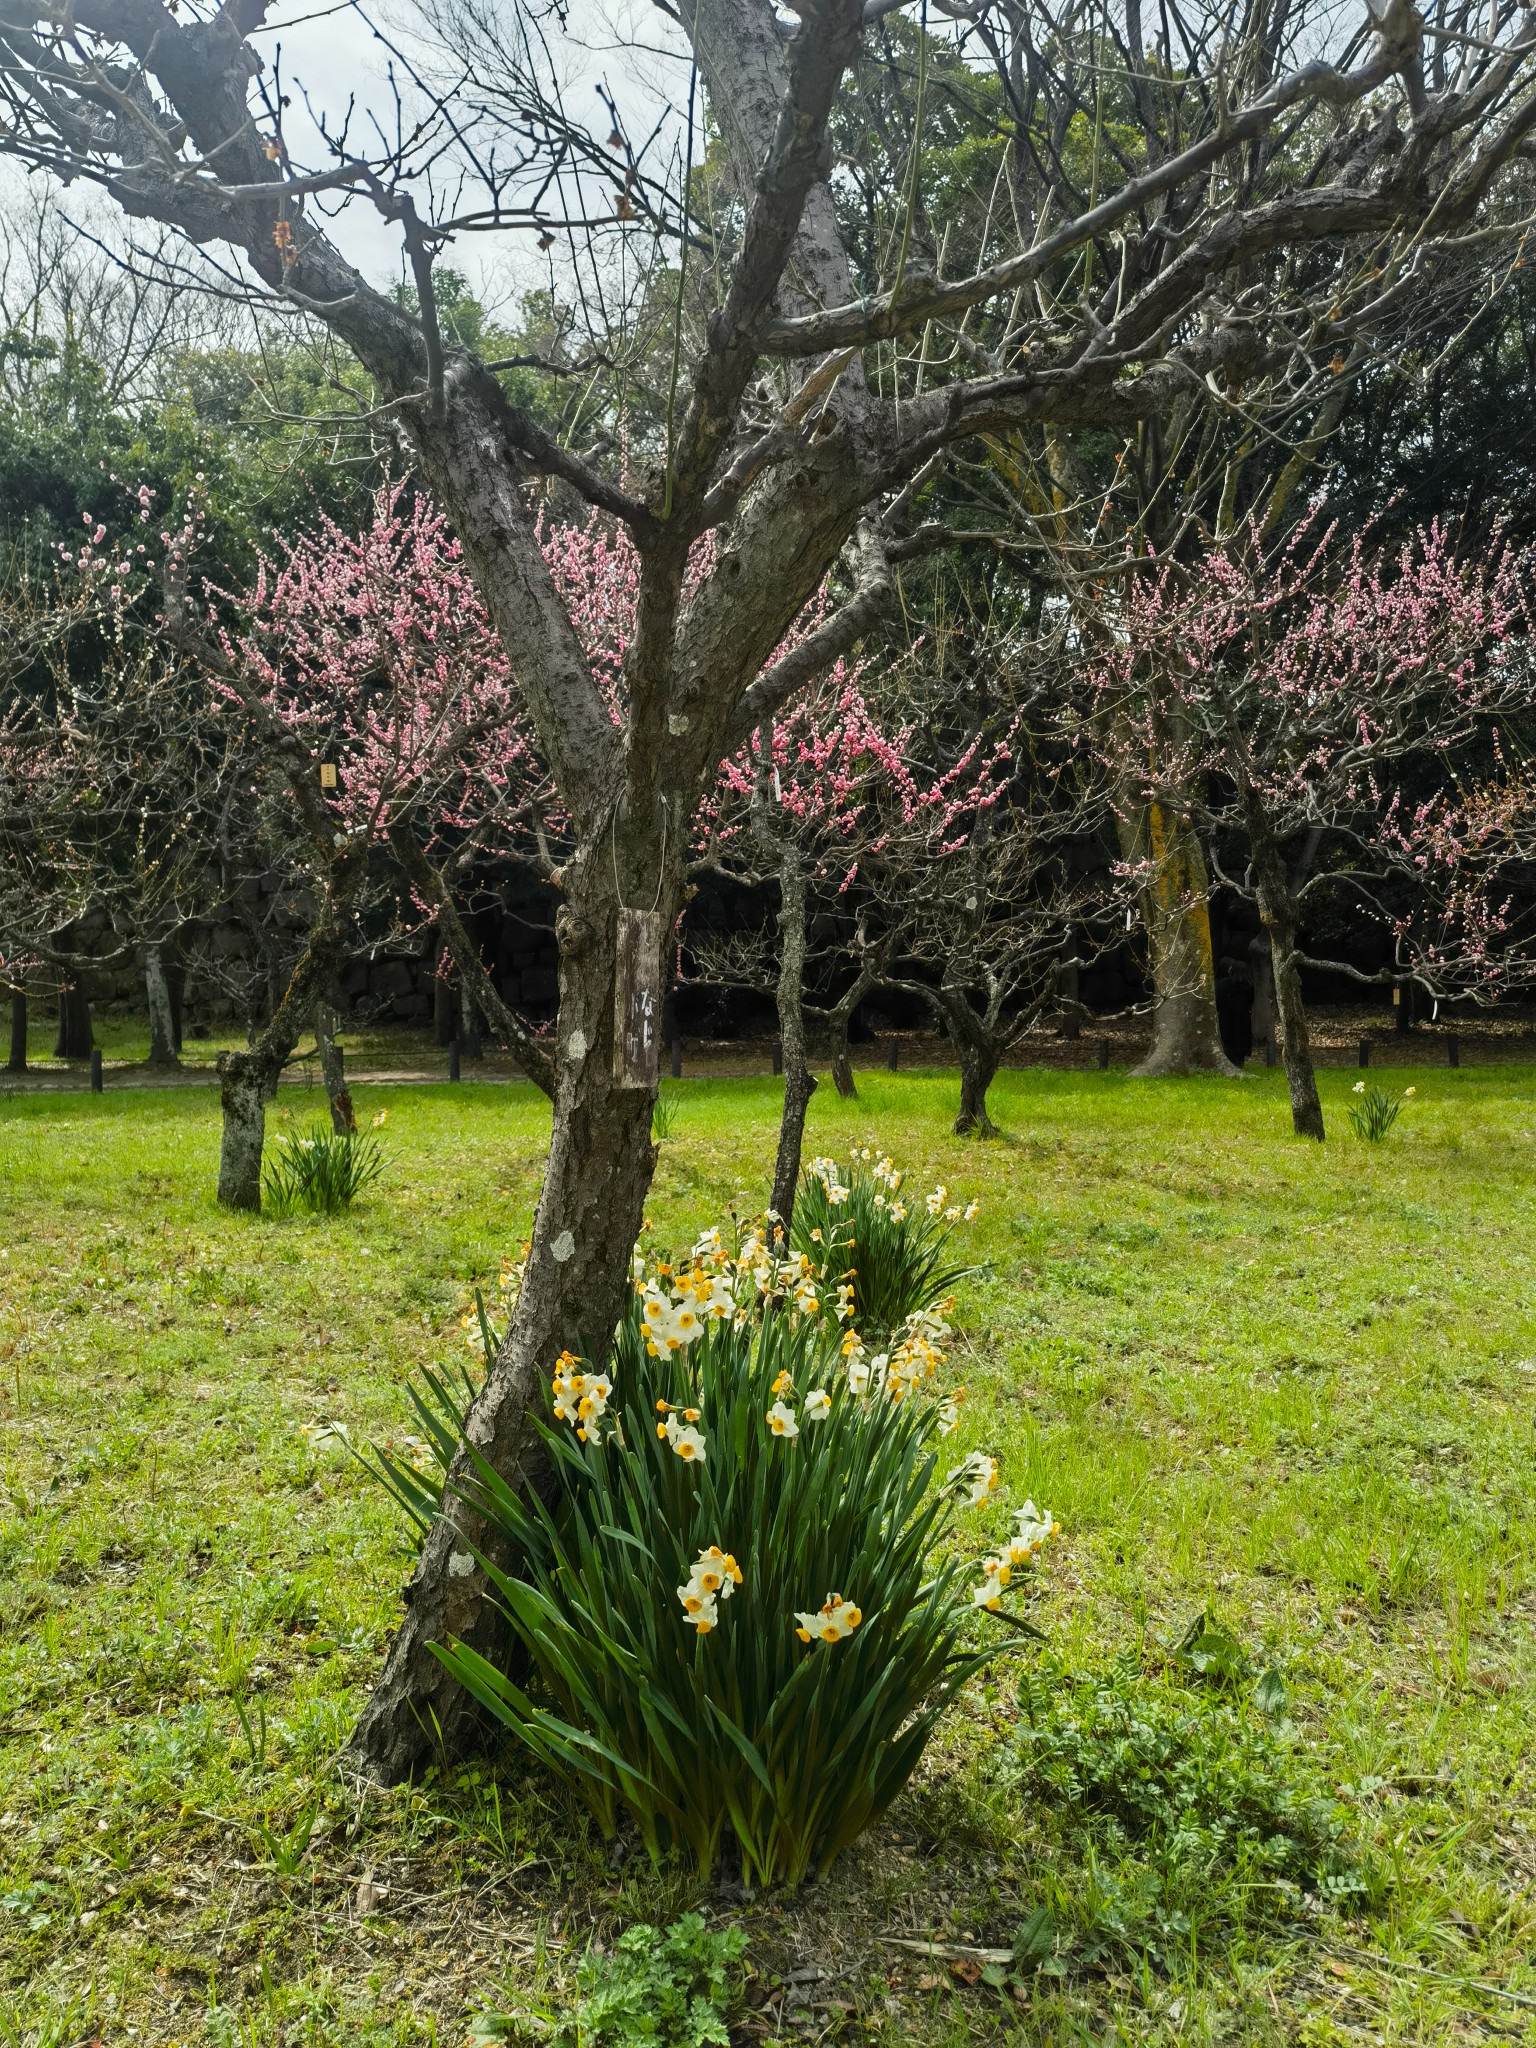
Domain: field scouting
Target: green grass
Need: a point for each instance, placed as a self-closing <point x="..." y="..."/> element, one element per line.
<point x="1293" y="1385"/>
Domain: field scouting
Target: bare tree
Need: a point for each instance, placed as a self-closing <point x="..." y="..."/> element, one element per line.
<point x="791" y="433"/>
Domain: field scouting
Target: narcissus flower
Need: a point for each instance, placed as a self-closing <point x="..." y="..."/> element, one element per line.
<point x="838" y="1618"/>
<point x="716" y="1572"/>
<point x="684" y="1439"/>
<point x="949" y="1412"/>
<point x="781" y="1420"/>
<point x="1033" y="1529"/>
<point x="715" y="1576"/>
<point x="977" y="1478"/>
<point x="700" y="1608"/>
<point x="995" y="1576"/>
<point x="580" y="1398"/>
<point x="818" y="1405"/>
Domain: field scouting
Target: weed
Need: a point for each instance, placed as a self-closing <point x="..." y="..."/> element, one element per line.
<point x="1189" y="1817"/>
<point x="677" y="1987"/>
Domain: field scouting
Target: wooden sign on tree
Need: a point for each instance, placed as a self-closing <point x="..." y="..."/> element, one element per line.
<point x="637" y="1000"/>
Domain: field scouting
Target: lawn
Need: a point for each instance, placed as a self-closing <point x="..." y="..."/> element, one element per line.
<point x="1287" y="1387"/>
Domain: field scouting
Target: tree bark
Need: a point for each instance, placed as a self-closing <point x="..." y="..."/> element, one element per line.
<point x="243" y="1095"/>
<point x="978" y="1069"/>
<point x="469" y="1031"/>
<point x="601" y="1160"/>
<point x="842" y="1064"/>
<point x="799" y="1081"/>
<point x="176" y="983"/>
<point x="1277" y="909"/>
<point x="974" y="1037"/>
<point x="333" y="1070"/>
<point x="75" y="1038"/>
<point x="1186" y="1036"/>
<point x="162" y="1024"/>
<point x="17" y="1063"/>
<point x="874" y="962"/>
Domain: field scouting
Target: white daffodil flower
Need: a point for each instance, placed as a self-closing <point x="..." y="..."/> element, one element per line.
<point x="781" y="1420"/>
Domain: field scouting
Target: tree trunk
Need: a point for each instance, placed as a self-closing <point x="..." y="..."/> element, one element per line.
<point x="1277" y="908"/>
<point x="1186" y="1036"/>
<point x="799" y="1082"/>
<point x="176" y="983"/>
<point x="75" y="1037"/>
<point x="248" y="1080"/>
<point x="876" y="960"/>
<point x="976" y="1048"/>
<point x="601" y="1159"/>
<point x="842" y="1064"/>
<point x="978" y="1069"/>
<point x="243" y="1096"/>
<point x="162" y="1024"/>
<point x="469" y="1034"/>
<point x="333" y="1070"/>
<point x="17" y="1063"/>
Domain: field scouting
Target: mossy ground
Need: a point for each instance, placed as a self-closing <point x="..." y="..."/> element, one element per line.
<point x="1293" y="1385"/>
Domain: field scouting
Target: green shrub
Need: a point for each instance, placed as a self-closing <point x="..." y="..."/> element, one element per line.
<point x="320" y="1171"/>
<point x="861" y="1234"/>
<point x="1374" y="1114"/>
<point x="677" y="1988"/>
<point x="1187" y="1816"/>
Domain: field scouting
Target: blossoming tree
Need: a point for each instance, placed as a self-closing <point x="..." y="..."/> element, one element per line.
<point x="801" y="807"/>
<point x="1324" y="703"/>
<point x="380" y="700"/>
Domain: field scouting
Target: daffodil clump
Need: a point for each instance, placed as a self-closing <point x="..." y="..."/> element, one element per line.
<point x="1376" y="1111"/>
<point x="883" y="1253"/>
<point x="744" y="1447"/>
